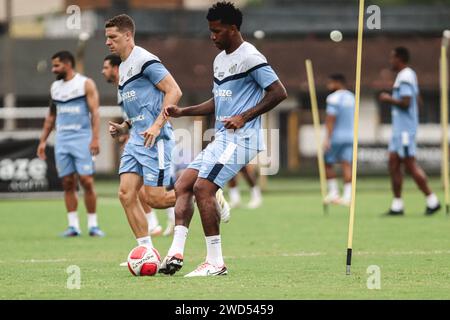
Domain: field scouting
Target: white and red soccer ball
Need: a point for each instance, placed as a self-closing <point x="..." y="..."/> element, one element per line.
<point x="143" y="261"/>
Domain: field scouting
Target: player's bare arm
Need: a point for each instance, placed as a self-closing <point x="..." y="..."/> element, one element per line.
<point x="49" y="123"/>
<point x="275" y="93"/>
<point x="330" y="120"/>
<point x="93" y="102"/>
<point x="403" y="103"/>
<point x="202" y="109"/>
<point x="172" y="94"/>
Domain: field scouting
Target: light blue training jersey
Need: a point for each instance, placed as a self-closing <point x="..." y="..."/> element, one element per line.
<point x="239" y="82"/>
<point x="405" y="120"/>
<point x="341" y="104"/>
<point x="141" y="99"/>
<point x="73" y="121"/>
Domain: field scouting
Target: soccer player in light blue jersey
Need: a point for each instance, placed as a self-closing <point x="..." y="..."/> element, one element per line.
<point x="74" y="108"/>
<point x="339" y="139"/>
<point x="110" y="71"/>
<point x="245" y="87"/>
<point x="145" y="86"/>
<point x="402" y="147"/>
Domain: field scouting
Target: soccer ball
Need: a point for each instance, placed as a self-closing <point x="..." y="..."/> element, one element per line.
<point x="143" y="261"/>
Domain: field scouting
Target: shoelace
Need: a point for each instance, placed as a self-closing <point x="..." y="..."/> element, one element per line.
<point x="202" y="266"/>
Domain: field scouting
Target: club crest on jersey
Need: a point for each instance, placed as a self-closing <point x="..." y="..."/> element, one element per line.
<point x="130" y="72"/>
<point x="233" y="69"/>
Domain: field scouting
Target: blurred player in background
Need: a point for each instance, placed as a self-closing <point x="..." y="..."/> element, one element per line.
<point x="338" y="143"/>
<point x="245" y="87"/>
<point x="255" y="191"/>
<point x="402" y="147"/>
<point x="110" y="71"/>
<point x="74" y="108"/>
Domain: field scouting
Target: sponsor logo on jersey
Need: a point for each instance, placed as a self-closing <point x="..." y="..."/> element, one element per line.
<point x="129" y="96"/>
<point x="222" y="118"/>
<point x="137" y="118"/>
<point x="68" y="127"/>
<point x="223" y="94"/>
<point x="69" y="109"/>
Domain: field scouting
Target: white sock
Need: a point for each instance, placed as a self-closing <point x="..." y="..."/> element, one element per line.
<point x="179" y="240"/>
<point x="235" y="195"/>
<point x="347" y="191"/>
<point x="256" y="192"/>
<point x="92" y="220"/>
<point x="152" y="220"/>
<point x="145" y="241"/>
<point x="432" y="201"/>
<point x="171" y="215"/>
<point x="214" y="251"/>
<point x="73" y="220"/>
<point x="333" y="188"/>
<point x="397" y="204"/>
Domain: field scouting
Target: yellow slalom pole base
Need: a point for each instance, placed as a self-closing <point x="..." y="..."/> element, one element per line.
<point x="349" y="261"/>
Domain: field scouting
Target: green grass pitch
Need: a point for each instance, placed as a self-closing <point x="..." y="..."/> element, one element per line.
<point x="287" y="249"/>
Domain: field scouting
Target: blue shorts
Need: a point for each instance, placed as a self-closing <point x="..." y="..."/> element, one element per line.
<point x="222" y="159"/>
<point x="404" y="145"/>
<point x="153" y="164"/>
<point x="339" y="152"/>
<point x="74" y="157"/>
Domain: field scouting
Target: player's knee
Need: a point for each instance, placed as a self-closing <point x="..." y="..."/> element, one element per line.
<point x="411" y="167"/>
<point x="182" y="188"/>
<point x="127" y="196"/>
<point x="393" y="165"/>
<point x="201" y="190"/>
<point x="87" y="183"/>
<point x="69" y="184"/>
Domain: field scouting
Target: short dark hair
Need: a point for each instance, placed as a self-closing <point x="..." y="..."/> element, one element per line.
<point x="402" y="53"/>
<point x="113" y="59"/>
<point x="65" y="56"/>
<point x="226" y="12"/>
<point x="123" y="22"/>
<point x="338" y="77"/>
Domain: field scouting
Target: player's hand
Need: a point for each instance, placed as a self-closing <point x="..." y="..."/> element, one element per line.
<point x="326" y="145"/>
<point x="150" y="135"/>
<point x="94" y="147"/>
<point x="41" y="151"/>
<point x="172" y="110"/>
<point x="385" y="97"/>
<point x="234" y="122"/>
<point x="117" y="129"/>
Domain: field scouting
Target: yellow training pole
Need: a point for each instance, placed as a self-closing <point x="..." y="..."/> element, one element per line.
<point x="355" y="134"/>
<point x="316" y="121"/>
<point x="444" y="115"/>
